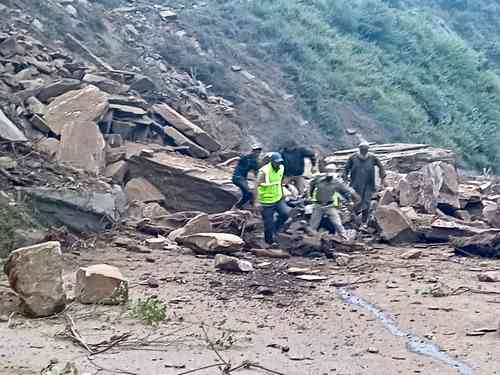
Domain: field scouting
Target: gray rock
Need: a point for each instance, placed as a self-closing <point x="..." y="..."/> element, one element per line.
<point x="105" y="84"/>
<point x="186" y="127"/>
<point x="35" y="106"/>
<point x="57" y="88"/>
<point x="7" y="162"/>
<point x="101" y="284"/>
<point x="180" y="139"/>
<point x="9" y="47"/>
<point x="168" y="15"/>
<point x="9" y="131"/>
<point x="35" y="274"/>
<point x="71" y="10"/>
<point x="48" y="146"/>
<point x="232" y="264"/>
<point x="117" y="171"/>
<point x="82" y="211"/>
<point x="40" y="124"/>
<point x="199" y="224"/>
<point x="140" y="189"/>
<point x="212" y="243"/>
<point x="142" y="84"/>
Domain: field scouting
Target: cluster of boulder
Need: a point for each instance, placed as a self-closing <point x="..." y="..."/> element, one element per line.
<point x="426" y="199"/>
<point x="91" y="117"/>
<point x="35" y="274"/>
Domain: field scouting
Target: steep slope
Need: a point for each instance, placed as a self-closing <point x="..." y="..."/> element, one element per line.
<point x="237" y="107"/>
<point x="405" y="64"/>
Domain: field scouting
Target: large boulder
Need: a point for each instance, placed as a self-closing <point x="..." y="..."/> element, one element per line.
<point x="35" y="274"/>
<point x="416" y="190"/>
<point x="443" y="230"/>
<point x="82" y="211"/>
<point x="141" y="190"/>
<point x="77" y="106"/>
<point x="444" y="179"/>
<point x="491" y="213"/>
<point x="101" y="284"/>
<point x="212" y="243"/>
<point x="186" y="183"/>
<point x="74" y="117"/>
<point x="394" y="225"/>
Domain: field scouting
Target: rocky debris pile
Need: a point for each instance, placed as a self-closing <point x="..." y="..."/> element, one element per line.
<point x="91" y="117"/>
<point x="433" y="204"/>
<point x="399" y="157"/>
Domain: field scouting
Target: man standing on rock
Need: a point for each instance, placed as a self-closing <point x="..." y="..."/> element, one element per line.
<point x="360" y="170"/>
<point x="270" y="196"/>
<point x="246" y="164"/>
<point x="327" y="192"/>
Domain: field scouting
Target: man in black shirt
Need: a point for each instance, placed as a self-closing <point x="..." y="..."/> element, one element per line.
<point x="293" y="156"/>
<point x="246" y="164"/>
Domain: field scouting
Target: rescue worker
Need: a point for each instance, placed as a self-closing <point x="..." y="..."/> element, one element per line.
<point x="246" y="163"/>
<point x="360" y="170"/>
<point x="270" y="196"/>
<point x="294" y="160"/>
<point x="326" y="192"/>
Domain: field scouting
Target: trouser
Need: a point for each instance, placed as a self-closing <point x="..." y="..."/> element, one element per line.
<point x="246" y="193"/>
<point x="272" y="226"/>
<point x="298" y="181"/>
<point x="363" y="207"/>
<point x="331" y="213"/>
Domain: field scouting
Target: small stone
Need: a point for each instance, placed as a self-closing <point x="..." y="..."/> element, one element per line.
<point x="156" y="242"/>
<point x="229" y="263"/>
<point x="153" y="283"/>
<point x="489" y="277"/>
<point x="7" y="163"/>
<point x="412" y="254"/>
<point x="372" y="350"/>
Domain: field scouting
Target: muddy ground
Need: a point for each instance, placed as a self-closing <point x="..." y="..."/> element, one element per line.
<point x="252" y="317"/>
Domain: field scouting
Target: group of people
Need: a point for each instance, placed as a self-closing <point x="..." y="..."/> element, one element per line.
<point x="326" y="191"/>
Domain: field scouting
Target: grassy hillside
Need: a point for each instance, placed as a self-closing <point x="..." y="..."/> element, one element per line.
<point x="425" y="71"/>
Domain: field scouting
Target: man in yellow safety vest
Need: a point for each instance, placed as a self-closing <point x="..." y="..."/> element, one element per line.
<point x="270" y="196"/>
<point x="327" y="192"/>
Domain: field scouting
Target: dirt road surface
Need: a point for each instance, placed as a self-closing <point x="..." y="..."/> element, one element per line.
<point x="377" y="315"/>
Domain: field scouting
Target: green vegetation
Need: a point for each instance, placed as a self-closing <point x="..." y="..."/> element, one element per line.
<point x="151" y="310"/>
<point x="406" y="63"/>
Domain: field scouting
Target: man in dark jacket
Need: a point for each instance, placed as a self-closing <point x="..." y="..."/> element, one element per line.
<point x="246" y="163"/>
<point x="294" y="156"/>
<point x="360" y="170"/>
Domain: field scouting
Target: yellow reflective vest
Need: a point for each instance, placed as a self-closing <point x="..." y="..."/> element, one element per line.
<point x="336" y="199"/>
<point x="271" y="190"/>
